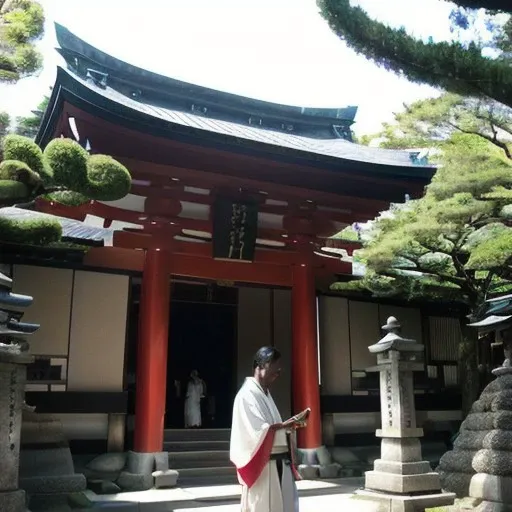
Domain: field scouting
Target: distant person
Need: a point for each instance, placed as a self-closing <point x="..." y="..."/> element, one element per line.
<point x="260" y="447"/>
<point x="196" y="390"/>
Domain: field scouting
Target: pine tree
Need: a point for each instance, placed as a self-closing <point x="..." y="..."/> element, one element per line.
<point x="21" y="24"/>
<point x="455" y="243"/>
<point x="449" y="65"/>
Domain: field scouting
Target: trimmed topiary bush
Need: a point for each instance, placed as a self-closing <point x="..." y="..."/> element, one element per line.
<point x="68" y="161"/>
<point x="64" y="173"/>
<point x="16" y="147"/>
<point x="30" y="232"/>
<point x="108" y="179"/>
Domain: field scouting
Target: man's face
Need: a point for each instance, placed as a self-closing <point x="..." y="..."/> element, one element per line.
<point x="270" y="372"/>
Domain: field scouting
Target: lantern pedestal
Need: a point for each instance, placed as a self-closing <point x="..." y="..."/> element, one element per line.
<point x="400" y="477"/>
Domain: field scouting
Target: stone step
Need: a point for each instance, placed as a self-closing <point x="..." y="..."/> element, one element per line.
<point x="210" y="481"/>
<point x="200" y="434"/>
<point x="206" y="473"/>
<point x="183" y="460"/>
<point x="196" y="446"/>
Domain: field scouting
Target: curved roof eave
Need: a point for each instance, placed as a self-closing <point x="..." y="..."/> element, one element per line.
<point x="113" y="107"/>
<point x="74" y="46"/>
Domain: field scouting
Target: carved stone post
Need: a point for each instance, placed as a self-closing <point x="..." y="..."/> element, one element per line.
<point x="13" y="361"/>
<point x="400" y="477"/>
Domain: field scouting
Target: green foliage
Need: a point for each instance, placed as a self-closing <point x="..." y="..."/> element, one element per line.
<point x="29" y="126"/>
<point x="449" y="120"/>
<point x="32" y="232"/>
<point x="15" y="170"/>
<point x="12" y="190"/>
<point x="21" y="24"/>
<point x="5" y="122"/>
<point x="97" y="176"/>
<point x="64" y="173"/>
<point x="457" y="68"/>
<point x="68" y="161"/>
<point x="16" y="147"/>
<point x="108" y="179"/>
<point x="454" y="242"/>
<point x="349" y="234"/>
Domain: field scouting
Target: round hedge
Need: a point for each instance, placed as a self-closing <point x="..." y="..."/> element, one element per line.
<point x="68" y="161"/>
<point x="16" y="147"/>
<point x="19" y="171"/>
<point x="108" y="179"/>
<point x="97" y="176"/>
<point x="67" y="197"/>
<point x="33" y="232"/>
<point x="11" y="190"/>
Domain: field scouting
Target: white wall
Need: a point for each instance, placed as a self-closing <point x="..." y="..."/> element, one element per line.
<point x="98" y="332"/>
<point x="83" y="324"/>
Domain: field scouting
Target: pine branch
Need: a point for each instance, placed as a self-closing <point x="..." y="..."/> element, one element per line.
<point x="491" y="5"/>
<point x="448" y="65"/>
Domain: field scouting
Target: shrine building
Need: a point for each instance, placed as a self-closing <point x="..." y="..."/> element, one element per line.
<point x="222" y="246"/>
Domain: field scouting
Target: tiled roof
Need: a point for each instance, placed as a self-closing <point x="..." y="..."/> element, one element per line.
<point x="336" y="148"/>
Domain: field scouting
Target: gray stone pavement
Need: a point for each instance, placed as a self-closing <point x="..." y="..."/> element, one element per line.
<point x="333" y="495"/>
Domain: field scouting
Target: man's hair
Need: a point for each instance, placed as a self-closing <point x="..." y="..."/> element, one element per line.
<point x="264" y="356"/>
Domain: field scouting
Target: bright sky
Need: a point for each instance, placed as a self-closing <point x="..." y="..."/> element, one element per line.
<point x="274" y="50"/>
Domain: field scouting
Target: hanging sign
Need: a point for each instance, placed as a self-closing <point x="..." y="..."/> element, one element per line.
<point x="235" y="228"/>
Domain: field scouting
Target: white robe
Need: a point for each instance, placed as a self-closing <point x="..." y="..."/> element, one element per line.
<point x="252" y="442"/>
<point x="195" y="391"/>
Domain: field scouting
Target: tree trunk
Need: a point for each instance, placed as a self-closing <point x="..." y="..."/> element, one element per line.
<point x="469" y="376"/>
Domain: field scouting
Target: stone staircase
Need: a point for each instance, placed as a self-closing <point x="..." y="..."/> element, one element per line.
<point x="201" y="456"/>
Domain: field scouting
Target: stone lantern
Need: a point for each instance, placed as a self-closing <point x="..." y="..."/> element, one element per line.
<point x="400" y="478"/>
<point x="13" y="361"/>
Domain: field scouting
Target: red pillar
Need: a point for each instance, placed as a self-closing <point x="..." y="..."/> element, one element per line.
<point x="306" y="390"/>
<point x="151" y="373"/>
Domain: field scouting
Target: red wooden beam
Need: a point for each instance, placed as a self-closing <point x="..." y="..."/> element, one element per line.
<point x="192" y="266"/>
<point x="136" y="240"/>
<point x="202" y="179"/>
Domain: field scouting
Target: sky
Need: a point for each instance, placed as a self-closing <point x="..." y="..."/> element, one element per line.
<point x="274" y="50"/>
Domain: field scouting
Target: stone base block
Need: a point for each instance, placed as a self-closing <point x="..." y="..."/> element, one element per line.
<point x="13" y="501"/>
<point x="329" y="471"/>
<point x="402" y="484"/>
<point x="309" y="472"/>
<point x="103" y="487"/>
<point x="491" y="488"/>
<point x="401" y="450"/>
<point x="395" y="503"/>
<point x="140" y="463"/>
<point x="132" y="482"/>
<point x="402" y="468"/>
<point x="165" y="478"/>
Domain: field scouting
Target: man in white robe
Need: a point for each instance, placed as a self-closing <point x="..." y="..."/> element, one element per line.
<point x="260" y="447"/>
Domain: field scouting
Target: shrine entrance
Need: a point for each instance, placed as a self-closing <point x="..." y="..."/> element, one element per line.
<point x="202" y="337"/>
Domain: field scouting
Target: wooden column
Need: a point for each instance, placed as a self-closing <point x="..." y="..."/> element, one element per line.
<point x="152" y="353"/>
<point x="305" y="385"/>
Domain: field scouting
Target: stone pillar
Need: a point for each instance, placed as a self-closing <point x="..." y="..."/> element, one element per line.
<point x="13" y="361"/>
<point x="400" y="477"/>
<point x="152" y="353"/>
<point x="305" y="386"/>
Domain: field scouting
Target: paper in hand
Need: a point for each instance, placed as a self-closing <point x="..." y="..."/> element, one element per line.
<point x="302" y="416"/>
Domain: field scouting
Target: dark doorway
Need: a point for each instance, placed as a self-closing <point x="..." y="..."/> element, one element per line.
<point x="202" y="337"/>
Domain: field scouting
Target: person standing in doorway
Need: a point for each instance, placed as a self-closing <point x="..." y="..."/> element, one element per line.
<point x="196" y="390"/>
<point x="260" y="447"/>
